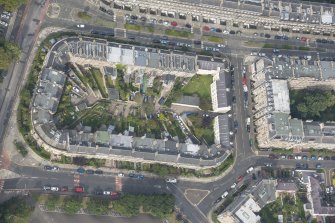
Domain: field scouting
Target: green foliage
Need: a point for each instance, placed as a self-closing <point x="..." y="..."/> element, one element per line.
<point x="66" y="113"/>
<point x="202" y="128"/>
<point x="157" y="205"/>
<point x="97" y="206"/>
<point x="313" y="104"/>
<point x="11" y="5"/>
<point x="15" y="210"/>
<point x="51" y="202"/>
<point x="133" y="27"/>
<point x="223" y="166"/>
<point x="72" y="204"/>
<point x="98" y="78"/>
<point x="289" y="207"/>
<point x="176" y="33"/>
<point x="200" y="85"/>
<point x="21" y="148"/>
<point x="8" y="52"/>
<point x="84" y="16"/>
<point x="176" y="92"/>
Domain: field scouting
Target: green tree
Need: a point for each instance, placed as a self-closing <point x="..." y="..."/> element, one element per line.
<point x="97" y="206"/>
<point x="72" y="205"/>
<point x="51" y="202"/>
<point x="11" y="5"/>
<point x="15" y="210"/>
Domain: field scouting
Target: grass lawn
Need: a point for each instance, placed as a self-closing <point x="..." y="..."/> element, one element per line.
<point x="84" y="16"/>
<point x="215" y="39"/>
<point x="184" y="34"/>
<point x="98" y="77"/>
<point x="200" y="86"/>
<point x="105" y="23"/>
<point x="255" y="44"/>
<point x="132" y="27"/>
<point x="109" y="82"/>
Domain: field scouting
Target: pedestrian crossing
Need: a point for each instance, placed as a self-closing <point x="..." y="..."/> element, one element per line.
<point x="76" y="180"/>
<point x="118" y="184"/>
<point x="2" y="183"/>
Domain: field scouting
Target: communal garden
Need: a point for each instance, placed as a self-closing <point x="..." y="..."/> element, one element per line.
<point x="315" y="104"/>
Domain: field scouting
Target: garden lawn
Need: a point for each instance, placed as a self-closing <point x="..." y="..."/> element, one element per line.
<point x="97" y="75"/>
<point x="184" y="34"/>
<point x="200" y="86"/>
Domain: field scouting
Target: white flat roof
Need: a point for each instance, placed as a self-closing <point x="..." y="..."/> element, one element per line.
<point x="281" y="98"/>
<point x="246" y="212"/>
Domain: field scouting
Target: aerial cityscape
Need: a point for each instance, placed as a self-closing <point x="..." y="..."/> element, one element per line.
<point x="194" y="111"/>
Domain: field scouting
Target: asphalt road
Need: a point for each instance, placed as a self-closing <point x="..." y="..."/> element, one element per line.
<point x="34" y="177"/>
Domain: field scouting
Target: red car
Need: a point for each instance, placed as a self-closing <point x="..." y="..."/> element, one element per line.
<point x="64" y="189"/>
<point x="240" y="178"/>
<point x="304" y="39"/>
<point x="205" y="28"/>
<point x="174" y="23"/>
<point x="79" y="189"/>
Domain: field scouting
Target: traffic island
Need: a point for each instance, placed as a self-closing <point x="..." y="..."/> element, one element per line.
<point x="195" y="196"/>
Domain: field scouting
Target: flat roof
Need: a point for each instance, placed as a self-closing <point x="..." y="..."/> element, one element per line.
<point x="281" y="99"/>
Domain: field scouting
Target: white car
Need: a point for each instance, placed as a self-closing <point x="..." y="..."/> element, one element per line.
<point x="46" y="188"/>
<point x="107" y="193"/>
<point x="225" y="32"/>
<point x="221" y="45"/>
<point x="224" y="194"/>
<point x="7" y="13"/>
<point x="81" y="26"/>
<point x="75" y="89"/>
<point x="3" y="16"/>
<point x="3" y="23"/>
<point x="250" y="169"/>
<point x="171" y="180"/>
<point x="233" y="186"/>
<point x="120" y="174"/>
<point x="54" y="188"/>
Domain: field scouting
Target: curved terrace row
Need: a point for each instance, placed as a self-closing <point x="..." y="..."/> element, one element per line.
<point x="107" y="144"/>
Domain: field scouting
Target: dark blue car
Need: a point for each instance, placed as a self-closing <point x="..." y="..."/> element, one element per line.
<point x="81" y="170"/>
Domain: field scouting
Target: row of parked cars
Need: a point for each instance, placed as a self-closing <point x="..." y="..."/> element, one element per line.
<point x="301" y="157"/>
<point x="5" y="16"/>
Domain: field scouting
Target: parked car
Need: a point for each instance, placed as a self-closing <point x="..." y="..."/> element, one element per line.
<point x="250" y="169"/>
<point x="98" y="172"/>
<point x="313" y="157"/>
<point x="98" y="192"/>
<point x="171" y="180"/>
<point x="240" y="178"/>
<point x="46" y="187"/>
<point x="79" y="189"/>
<point x="46" y="167"/>
<point x="225" y="194"/>
<point x="233" y="186"/>
<point x="90" y="171"/>
<point x="120" y="174"/>
<point x="81" y="170"/>
<point x="64" y="189"/>
<point x="81" y="26"/>
<point x="55" y="168"/>
<point x="107" y="193"/>
<point x="54" y="188"/>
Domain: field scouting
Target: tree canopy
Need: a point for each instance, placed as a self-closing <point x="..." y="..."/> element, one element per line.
<point x="15" y="210"/>
<point x="11" y="5"/>
<point x="310" y="104"/>
<point x="8" y="52"/>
